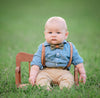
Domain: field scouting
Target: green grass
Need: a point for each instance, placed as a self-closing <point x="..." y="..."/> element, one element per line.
<point x="21" y="29"/>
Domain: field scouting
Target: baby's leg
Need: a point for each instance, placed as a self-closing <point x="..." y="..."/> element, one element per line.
<point x="43" y="80"/>
<point x="66" y="80"/>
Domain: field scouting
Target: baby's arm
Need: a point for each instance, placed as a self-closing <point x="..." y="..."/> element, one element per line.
<point x="33" y="74"/>
<point x="81" y="72"/>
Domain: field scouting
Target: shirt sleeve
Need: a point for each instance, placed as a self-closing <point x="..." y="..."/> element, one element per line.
<point x="76" y="58"/>
<point x="37" y="58"/>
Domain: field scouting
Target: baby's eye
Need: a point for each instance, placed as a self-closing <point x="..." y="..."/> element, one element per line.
<point x="50" y="32"/>
<point x="58" y="32"/>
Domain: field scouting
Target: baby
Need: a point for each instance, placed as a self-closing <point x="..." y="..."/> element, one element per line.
<point x="56" y="59"/>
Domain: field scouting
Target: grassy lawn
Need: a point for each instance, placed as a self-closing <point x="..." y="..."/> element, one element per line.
<point x="21" y="30"/>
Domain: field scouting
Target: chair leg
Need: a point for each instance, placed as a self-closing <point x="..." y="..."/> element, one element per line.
<point x="17" y="75"/>
<point x="76" y="76"/>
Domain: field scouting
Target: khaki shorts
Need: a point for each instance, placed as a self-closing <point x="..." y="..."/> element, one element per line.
<point x="56" y="75"/>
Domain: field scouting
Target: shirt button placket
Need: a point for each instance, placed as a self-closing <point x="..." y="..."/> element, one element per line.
<point x="57" y="55"/>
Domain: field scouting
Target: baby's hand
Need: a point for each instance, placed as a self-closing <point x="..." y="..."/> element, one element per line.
<point x="81" y="72"/>
<point x="31" y="80"/>
<point x="33" y="74"/>
<point x="82" y="77"/>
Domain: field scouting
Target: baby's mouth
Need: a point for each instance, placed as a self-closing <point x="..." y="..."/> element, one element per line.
<point x="54" y="39"/>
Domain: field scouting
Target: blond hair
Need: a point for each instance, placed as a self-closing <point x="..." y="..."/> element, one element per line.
<point x="57" y="20"/>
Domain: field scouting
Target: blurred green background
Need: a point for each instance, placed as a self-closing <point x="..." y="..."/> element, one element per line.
<point x="22" y="26"/>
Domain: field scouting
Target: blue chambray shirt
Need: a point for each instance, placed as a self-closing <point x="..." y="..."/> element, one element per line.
<point x="56" y="57"/>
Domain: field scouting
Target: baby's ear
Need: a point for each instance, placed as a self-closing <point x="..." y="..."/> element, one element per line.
<point x="66" y="34"/>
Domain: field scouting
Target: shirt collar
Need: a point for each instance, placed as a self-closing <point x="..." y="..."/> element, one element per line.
<point x="47" y="44"/>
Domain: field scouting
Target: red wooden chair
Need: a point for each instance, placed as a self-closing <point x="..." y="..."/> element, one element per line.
<point x="25" y="57"/>
<point x="21" y="57"/>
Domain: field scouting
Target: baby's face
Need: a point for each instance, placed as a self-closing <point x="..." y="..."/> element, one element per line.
<point x="55" y="33"/>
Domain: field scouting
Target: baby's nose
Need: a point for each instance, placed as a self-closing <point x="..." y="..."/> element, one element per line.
<point x="54" y="34"/>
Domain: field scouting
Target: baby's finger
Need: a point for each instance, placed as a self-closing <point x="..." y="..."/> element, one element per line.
<point x="84" y="80"/>
<point x="80" y="79"/>
<point x="32" y="85"/>
<point x="33" y="82"/>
